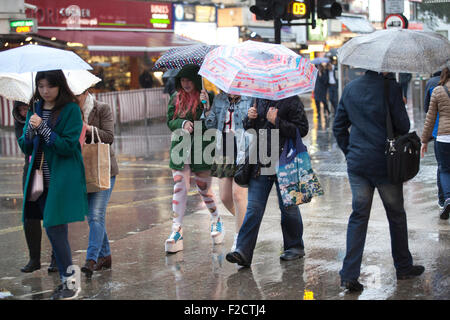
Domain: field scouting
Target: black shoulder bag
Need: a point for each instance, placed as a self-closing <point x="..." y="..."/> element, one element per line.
<point x="402" y="152"/>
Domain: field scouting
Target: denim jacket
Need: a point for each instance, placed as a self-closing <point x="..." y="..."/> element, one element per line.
<point x="216" y="118"/>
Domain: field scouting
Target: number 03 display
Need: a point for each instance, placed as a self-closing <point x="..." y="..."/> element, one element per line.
<point x="299" y="9"/>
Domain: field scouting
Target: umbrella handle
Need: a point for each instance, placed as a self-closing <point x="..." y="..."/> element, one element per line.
<point x="203" y="87"/>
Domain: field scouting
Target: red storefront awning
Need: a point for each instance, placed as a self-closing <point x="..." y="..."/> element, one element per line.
<point x="112" y="43"/>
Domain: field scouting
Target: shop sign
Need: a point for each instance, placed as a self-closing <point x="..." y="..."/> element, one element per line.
<point x="160" y="15"/>
<point x="101" y="14"/>
<point x="184" y="12"/>
<point x="197" y="13"/>
<point x="23" y="26"/>
<point x="230" y="17"/>
<point x="205" y="14"/>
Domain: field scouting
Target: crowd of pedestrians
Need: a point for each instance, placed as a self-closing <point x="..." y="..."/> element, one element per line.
<point x="52" y="129"/>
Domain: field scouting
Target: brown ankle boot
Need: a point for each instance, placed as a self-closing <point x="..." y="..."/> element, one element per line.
<point x="103" y="263"/>
<point x="88" y="268"/>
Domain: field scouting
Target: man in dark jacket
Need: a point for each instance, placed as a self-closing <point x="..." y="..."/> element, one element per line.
<point x="284" y="117"/>
<point x="362" y="107"/>
<point x="320" y="90"/>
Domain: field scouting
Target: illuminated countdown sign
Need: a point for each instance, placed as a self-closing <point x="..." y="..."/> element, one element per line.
<point x="22" y="26"/>
<point x="299" y="9"/>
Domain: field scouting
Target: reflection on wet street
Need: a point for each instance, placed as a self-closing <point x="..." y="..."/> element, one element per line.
<point x="139" y="220"/>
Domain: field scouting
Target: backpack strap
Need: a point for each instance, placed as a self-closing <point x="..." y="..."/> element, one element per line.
<point x="446" y="90"/>
<point x="389" y="126"/>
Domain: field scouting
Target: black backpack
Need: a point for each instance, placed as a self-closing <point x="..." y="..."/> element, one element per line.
<point x="402" y="152"/>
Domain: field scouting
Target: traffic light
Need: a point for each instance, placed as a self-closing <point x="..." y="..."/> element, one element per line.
<point x="281" y="9"/>
<point x="262" y="9"/>
<point x="328" y="9"/>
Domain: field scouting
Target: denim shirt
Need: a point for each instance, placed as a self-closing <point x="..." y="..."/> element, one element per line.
<point x="216" y="117"/>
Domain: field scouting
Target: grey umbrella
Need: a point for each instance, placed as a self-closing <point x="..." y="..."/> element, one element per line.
<point x="397" y="50"/>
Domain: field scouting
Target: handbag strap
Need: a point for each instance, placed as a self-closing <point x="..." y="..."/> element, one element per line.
<point x="42" y="161"/>
<point x="94" y="131"/>
<point x="389" y="126"/>
<point x="446" y="90"/>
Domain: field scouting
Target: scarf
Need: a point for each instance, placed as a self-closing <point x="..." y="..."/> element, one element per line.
<point x="88" y="106"/>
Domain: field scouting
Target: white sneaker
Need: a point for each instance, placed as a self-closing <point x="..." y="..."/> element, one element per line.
<point x="233" y="247"/>
<point x="217" y="230"/>
<point x="175" y="241"/>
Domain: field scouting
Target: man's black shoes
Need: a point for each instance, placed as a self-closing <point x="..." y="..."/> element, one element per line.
<point x="235" y="257"/>
<point x="412" y="272"/>
<point x="352" y="286"/>
<point x="289" y="255"/>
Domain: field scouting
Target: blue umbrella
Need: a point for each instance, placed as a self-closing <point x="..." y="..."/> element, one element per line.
<point x="34" y="58"/>
<point x="320" y="60"/>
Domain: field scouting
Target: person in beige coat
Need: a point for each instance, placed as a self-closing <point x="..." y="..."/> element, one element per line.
<point x="440" y="104"/>
<point x="98" y="116"/>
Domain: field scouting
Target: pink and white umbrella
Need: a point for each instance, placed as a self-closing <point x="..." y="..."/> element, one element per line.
<point x="261" y="70"/>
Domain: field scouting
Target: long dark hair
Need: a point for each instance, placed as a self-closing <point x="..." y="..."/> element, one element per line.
<point x="55" y="78"/>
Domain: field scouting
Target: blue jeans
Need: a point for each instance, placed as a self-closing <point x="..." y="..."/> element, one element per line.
<point x="442" y="152"/>
<point x="98" y="239"/>
<point x="59" y="239"/>
<point x="362" y="195"/>
<point x="441" y="198"/>
<point x="291" y="220"/>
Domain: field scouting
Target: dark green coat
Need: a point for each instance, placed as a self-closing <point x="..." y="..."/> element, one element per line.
<point x="177" y="123"/>
<point x="67" y="198"/>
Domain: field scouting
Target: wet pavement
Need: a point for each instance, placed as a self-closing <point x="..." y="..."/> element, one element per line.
<point x="139" y="220"/>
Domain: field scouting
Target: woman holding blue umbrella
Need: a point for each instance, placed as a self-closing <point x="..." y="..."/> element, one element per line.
<point x="51" y="137"/>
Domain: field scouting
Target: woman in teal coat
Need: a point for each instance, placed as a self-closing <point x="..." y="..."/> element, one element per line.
<point x="51" y="137"/>
<point x="187" y="154"/>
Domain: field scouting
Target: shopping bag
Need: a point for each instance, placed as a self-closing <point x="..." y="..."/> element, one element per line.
<point x="297" y="181"/>
<point x="37" y="185"/>
<point x="97" y="164"/>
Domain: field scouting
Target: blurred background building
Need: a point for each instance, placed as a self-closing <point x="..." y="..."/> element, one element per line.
<point x="122" y="39"/>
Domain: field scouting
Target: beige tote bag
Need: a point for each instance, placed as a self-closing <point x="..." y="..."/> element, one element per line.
<point x="97" y="164"/>
<point x="37" y="186"/>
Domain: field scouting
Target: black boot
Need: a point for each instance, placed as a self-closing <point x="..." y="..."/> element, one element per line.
<point x="33" y="235"/>
<point x="52" y="267"/>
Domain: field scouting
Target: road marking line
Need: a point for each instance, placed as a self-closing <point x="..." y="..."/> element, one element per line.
<point x="141" y="202"/>
<point x="116" y="206"/>
<point x="10" y="229"/>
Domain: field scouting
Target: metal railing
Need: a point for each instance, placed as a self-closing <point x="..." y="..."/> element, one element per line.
<point x="127" y="106"/>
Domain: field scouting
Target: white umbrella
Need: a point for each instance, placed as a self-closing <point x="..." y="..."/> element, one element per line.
<point x="34" y="58"/>
<point x="19" y="86"/>
<point x="397" y="50"/>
